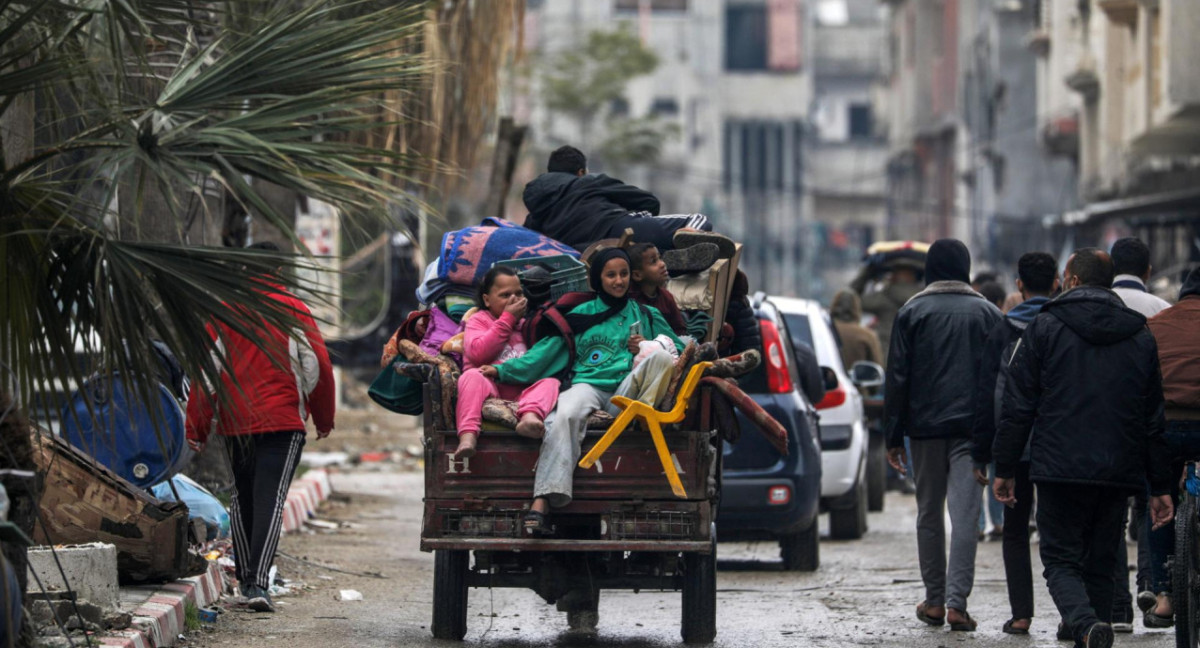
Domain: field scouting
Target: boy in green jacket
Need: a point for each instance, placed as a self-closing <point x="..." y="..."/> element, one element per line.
<point x="609" y="332"/>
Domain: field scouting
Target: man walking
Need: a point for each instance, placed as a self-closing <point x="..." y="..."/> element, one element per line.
<point x="272" y="382"/>
<point x="936" y="345"/>
<point x="1085" y="392"/>
<point x="1037" y="279"/>
<point x="1131" y="263"/>
<point x="1178" y="338"/>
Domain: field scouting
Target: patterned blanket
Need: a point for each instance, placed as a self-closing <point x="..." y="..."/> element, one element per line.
<point x="468" y="253"/>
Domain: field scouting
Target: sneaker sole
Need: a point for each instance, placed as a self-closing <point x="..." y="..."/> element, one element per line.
<point x="726" y="248"/>
<point x="1100" y="635"/>
<point x="696" y="258"/>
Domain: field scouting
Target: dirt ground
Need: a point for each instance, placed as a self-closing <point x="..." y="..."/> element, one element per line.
<point x="863" y="594"/>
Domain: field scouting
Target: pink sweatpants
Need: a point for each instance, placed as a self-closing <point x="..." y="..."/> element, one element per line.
<point x="474" y="388"/>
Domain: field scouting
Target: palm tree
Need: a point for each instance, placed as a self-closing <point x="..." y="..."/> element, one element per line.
<point x="125" y="125"/>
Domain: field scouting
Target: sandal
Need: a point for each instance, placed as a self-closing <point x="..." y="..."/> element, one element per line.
<point x="925" y="618"/>
<point x="535" y="525"/>
<point x="968" y="625"/>
<point x="1010" y="629"/>
<point x="1152" y="619"/>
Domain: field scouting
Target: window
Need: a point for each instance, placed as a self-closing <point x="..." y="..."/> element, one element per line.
<point x="746" y="37"/>
<point x="860" y="121"/>
<point x="763" y="155"/>
<point x="664" y="107"/>
<point x="655" y="5"/>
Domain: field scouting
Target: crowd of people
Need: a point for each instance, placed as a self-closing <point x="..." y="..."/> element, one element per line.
<point x="1079" y="393"/>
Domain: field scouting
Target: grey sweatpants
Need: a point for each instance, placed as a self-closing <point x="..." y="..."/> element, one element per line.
<point x="567" y="424"/>
<point x="943" y="472"/>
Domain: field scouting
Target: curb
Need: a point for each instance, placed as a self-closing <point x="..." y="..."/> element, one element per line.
<point x="305" y="495"/>
<point x="159" y="621"/>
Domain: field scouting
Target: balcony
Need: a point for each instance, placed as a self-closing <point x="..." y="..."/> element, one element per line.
<point x="1060" y="136"/>
<point x="1121" y="12"/>
<point x="1085" y="81"/>
<point x="1038" y="42"/>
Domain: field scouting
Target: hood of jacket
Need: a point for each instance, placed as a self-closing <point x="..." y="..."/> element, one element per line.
<point x="1024" y="312"/>
<point x="1191" y="286"/>
<point x="543" y="191"/>
<point x="846" y="307"/>
<point x="1096" y="314"/>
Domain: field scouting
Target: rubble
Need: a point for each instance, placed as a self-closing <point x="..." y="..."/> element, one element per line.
<point x="83" y="502"/>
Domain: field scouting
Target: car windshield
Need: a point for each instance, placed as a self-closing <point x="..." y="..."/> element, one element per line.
<point x="799" y="329"/>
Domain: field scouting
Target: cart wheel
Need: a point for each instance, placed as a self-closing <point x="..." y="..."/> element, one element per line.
<point x="450" y="594"/>
<point x="699" y="623"/>
<point x="876" y="472"/>
<point x="1183" y="573"/>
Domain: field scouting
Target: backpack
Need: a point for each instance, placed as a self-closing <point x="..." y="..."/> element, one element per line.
<point x="1006" y="358"/>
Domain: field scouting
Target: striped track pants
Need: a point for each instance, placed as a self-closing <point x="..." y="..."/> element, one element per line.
<point x="263" y="466"/>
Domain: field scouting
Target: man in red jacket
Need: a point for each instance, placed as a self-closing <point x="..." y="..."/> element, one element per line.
<point x="272" y="388"/>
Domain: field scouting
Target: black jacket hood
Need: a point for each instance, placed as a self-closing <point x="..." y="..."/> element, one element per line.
<point x="543" y="191"/>
<point x="1096" y="314"/>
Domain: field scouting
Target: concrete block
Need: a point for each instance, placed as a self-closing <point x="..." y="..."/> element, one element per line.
<point x="91" y="571"/>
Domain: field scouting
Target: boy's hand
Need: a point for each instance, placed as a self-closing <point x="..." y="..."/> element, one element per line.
<point x="634" y="341"/>
<point x="489" y="372"/>
<point x="517" y="306"/>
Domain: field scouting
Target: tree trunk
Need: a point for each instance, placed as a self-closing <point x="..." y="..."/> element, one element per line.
<point x="508" y="147"/>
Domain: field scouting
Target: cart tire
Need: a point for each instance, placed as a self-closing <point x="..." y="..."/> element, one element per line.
<point x="876" y="471"/>
<point x="1183" y="573"/>
<point x="699" y="622"/>
<point x="450" y="594"/>
<point x="802" y="551"/>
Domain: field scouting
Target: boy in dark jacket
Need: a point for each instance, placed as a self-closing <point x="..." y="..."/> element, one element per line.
<point x="570" y="205"/>
<point x="936" y="344"/>
<point x="1037" y="279"/>
<point x="1084" y="391"/>
<point x="649" y="285"/>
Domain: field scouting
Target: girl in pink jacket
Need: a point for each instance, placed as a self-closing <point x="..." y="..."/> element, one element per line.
<point x="493" y="336"/>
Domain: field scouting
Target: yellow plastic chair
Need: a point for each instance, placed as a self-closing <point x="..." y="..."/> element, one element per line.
<point x="631" y="409"/>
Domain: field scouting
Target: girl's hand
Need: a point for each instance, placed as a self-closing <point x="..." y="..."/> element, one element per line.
<point x="489" y="372"/>
<point x="516" y="306"/>
<point x="634" y="341"/>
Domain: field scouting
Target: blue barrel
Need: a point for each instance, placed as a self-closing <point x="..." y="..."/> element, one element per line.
<point x="122" y="434"/>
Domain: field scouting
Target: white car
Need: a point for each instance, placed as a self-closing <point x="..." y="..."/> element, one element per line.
<point x="843" y="430"/>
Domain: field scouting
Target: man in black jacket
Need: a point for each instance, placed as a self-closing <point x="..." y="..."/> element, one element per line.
<point x="570" y="205"/>
<point x="1037" y="279"/>
<point x="1085" y="392"/>
<point x="937" y="341"/>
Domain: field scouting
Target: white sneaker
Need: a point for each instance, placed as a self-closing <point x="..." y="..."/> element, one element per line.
<point x="1123" y="628"/>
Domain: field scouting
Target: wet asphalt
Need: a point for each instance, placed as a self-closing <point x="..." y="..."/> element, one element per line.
<point x="863" y="594"/>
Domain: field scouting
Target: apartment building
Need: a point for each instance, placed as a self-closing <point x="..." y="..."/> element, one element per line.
<point x="1131" y="65"/>
<point x="848" y="151"/>
<point x="734" y="75"/>
<point x="921" y="104"/>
